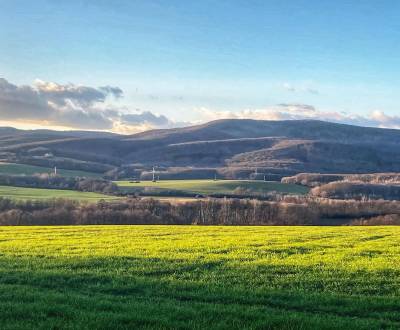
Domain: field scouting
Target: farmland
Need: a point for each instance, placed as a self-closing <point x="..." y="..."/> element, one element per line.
<point x="173" y="277"/>
<point x="22" y="193"/>
<point x="19" y="169"/>
<point x="216" y="187"/>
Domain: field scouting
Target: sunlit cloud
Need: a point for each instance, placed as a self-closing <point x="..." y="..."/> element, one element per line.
<point x="71" y="106"/>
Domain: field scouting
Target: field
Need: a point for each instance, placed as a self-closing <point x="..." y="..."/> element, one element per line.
<point x="22" y="193"/>
<point x="217" y="187"/>
<point x="17" y="169"/>
<point x="190" y="277"/>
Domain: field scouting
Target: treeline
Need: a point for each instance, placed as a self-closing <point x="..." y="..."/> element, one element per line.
<point x="313" y="179"/>
<point x="288" y="211"/>
<point x="375" y="178"/>
<point x="142" y="172"/>
<point x="316" y="179"/>
<point x="357" y="190"/>
<point x="58" y="182"/>
<point x="382" y="220"/>
<point x="238" y="192"/>
<point x="350" y="186"/>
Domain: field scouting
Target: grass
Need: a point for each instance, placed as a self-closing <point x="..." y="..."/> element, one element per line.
<point x="18" y="169"/>
<point x="189" y="277"/>
<point x="217" y="187"/>
<point x="22" y="193"/>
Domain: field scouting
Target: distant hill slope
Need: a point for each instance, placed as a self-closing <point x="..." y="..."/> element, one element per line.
<point x="290" y="146"/>
<point x="298" y="129"/>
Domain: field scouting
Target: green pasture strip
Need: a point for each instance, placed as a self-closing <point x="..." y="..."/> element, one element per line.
<point x="22" y="193"/>
<point x="19" y="169"/>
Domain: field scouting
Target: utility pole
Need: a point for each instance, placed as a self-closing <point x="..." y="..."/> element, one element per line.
<point x="254" y="175"/>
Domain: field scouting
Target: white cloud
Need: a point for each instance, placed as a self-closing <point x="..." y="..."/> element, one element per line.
<point x="383" y="120"/>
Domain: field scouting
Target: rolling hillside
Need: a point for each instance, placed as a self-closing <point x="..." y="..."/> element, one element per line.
<point x="274" y="147"/>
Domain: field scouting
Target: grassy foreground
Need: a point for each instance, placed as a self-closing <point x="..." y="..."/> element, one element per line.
<point x="18" y="169"/>
<point x="22" y="193"/>
<point x="188" y="277"/>
<point x="218" y="187"/>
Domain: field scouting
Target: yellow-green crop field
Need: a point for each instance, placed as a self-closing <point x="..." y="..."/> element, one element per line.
<point x="192" y="277"/>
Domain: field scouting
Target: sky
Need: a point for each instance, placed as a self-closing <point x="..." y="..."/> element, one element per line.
<point x="128" y="66"/>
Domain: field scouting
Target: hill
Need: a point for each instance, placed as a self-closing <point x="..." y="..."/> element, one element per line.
<point x="233" y="148"/>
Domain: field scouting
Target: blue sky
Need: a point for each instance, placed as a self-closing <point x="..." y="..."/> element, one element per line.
<point x="186" y="60"/>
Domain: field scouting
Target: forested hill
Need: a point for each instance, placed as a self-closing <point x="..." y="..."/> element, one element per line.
<point x="287" y="146"/>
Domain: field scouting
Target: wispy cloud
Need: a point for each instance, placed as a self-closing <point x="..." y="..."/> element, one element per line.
<point x="146" y="117"/>
<point x="303" y="88"/>
<point x="289" y="87"/>
<point x="311" y="90"/>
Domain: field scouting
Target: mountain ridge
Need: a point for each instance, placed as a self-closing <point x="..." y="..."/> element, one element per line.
<point x="286" y="146"/>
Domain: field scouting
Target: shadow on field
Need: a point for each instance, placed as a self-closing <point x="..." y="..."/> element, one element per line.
<point x="126" y="292"/>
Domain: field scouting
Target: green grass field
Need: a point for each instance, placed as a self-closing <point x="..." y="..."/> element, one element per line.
<point x="217" y="187"/>
<point x="22" y="193"/>
<point x="17" y="169"/>
<point x="190" y="277"/>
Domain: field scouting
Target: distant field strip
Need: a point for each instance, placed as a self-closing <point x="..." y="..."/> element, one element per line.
<point x="217" y="187"/>
<point x="22" y="193"/>
<point x="16" y="169"/>
<point x="189" y="277"/>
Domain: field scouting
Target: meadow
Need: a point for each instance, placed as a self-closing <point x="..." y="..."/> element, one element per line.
<point x="22" y="193"/>
<point x="22" y="169"/>
<point x="192" y="277"/>
<point x="217" y="187"/>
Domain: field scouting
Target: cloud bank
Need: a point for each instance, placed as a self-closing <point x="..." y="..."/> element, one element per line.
<point x="304" y="111"/>
<point x="73" y="106"/>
